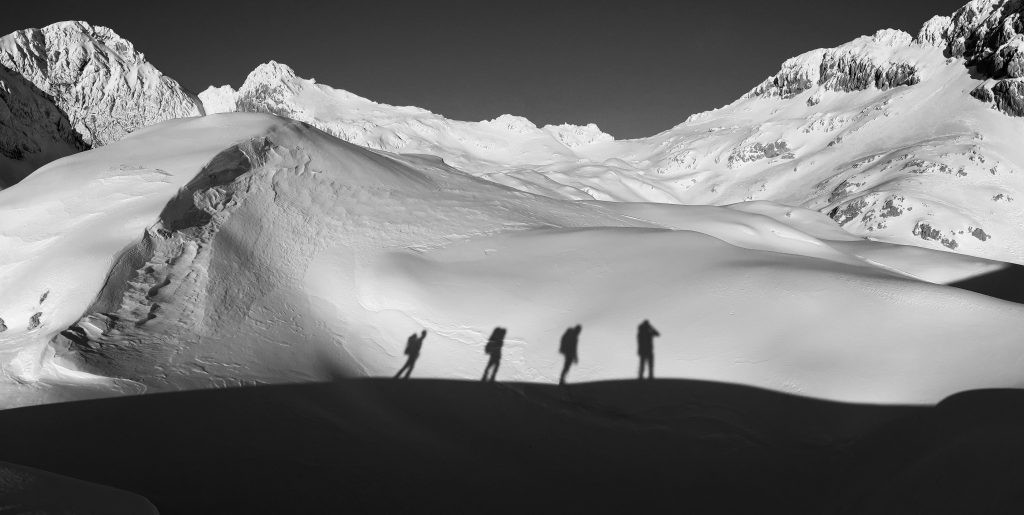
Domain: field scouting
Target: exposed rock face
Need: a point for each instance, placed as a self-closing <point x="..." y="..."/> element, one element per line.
<point x="855" y="73"/>
<point x="1009" y="59"/>
<point x="757" y="151"/>
<point x="979" y="29"/>
<point x="858" y="65"/>
<point x="1006" y="95"/>
<point x="83" y="76"/>
<point x="33" y="131"/>
<point x="989" y="36"/>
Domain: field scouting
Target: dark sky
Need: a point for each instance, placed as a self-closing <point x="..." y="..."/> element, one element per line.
<point x="634" y="68"/>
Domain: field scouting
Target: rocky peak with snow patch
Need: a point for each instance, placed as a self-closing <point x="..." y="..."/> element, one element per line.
<point x="989" y="36"/>
<point x="870" y="61"/>
<point x="106" y="88"/>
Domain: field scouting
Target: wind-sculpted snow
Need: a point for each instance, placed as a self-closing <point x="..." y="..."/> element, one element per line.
<point x="61" y="231"/>
<point x="241" y="249"/>
<point x="98" y="82"/>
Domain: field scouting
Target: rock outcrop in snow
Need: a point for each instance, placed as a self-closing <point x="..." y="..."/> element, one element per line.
<point x="861" y="64"/>
<point x="989" y="36"/>
<point x="97" y="81"/>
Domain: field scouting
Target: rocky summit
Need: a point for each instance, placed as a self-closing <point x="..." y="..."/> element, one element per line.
<point x="77" y="76"/>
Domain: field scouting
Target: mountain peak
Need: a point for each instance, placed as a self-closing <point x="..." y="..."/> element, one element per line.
<point x="270" y="73"/>
<point x="80" y="85"/>
<point x="71" y="34"/>
<point x="892" y="37"/>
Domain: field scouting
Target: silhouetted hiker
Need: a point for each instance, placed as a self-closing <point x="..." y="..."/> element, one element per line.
<point x="570" y="341"/>
<point x="645" y="347"/>
<point x="412" y="349"/>
<point x="493" y="349"/>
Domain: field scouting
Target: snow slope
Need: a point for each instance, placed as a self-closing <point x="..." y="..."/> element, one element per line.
<point x="885" y="133"/>
<point x="243" y="248"/>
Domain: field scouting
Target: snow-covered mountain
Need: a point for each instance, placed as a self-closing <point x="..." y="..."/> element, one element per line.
<point x="245" y="248"/>
<point x="70" y="85"/>
<point x="477" y="147"/>
<point x="862" y="132"/>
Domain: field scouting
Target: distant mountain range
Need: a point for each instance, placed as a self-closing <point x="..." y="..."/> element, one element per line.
<point x="900" y="138"/>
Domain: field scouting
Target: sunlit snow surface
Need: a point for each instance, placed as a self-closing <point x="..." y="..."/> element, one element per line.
<point x="290" y="255"/>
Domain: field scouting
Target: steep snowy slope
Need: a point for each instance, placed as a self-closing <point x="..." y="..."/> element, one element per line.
<point x="97" y="81"/>
<point x="885" y="133"/>
<point x="240" y="249"/>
